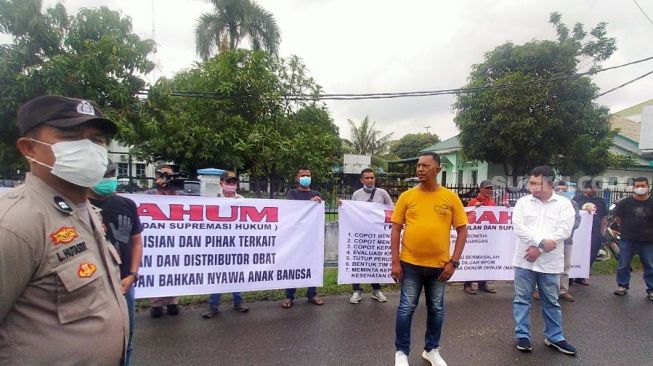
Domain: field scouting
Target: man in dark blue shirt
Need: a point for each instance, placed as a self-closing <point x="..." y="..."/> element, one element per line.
<point x="123" y="229"/>
<point x="591" y="202"/>
<point x="305" y="193"/>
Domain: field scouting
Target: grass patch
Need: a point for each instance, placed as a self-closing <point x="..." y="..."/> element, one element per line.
<point x="610" y="266"/>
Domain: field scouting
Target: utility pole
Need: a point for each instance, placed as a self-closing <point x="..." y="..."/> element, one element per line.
<point x="427" y="128"/>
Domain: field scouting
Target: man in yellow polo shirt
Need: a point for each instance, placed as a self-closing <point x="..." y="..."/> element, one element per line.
<point x="426" y="213"/>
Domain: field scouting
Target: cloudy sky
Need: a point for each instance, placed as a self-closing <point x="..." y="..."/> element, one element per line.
<point x="363" y="46"/>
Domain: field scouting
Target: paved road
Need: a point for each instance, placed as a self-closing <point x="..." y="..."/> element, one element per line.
<point x="478" y="330"/>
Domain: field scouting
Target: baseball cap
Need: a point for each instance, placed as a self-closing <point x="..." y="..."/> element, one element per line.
<point x="62" y="112"/>
<point x="228" y="174"/>
<point x="486" y="184"/>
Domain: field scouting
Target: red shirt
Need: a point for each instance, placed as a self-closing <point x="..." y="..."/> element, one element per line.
<point x="485" y="201"/>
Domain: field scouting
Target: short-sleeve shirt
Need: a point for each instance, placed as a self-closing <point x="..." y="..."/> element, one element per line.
<point x="296" y="194"/>
<point x="485" y="201"/>
<point x="119" y="214"/>
<point x="428" y="218"/>
<point x="380" y="196"/>
<point x="636" y="219"/>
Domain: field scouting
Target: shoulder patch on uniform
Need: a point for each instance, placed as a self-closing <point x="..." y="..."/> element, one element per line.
<point x="62" y="204"/>
<point x="86" y="270"/>
<point x="64" y="235"/>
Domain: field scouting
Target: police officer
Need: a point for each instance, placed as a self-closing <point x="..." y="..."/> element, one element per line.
<point x="60" y="296"/>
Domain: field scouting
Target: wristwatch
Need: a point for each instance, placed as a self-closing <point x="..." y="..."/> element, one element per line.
<point x="541" y="245"/>
<point x="455" y="264"/>
<point x="135" y="274"/>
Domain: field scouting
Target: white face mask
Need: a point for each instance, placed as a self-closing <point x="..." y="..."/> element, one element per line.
<point x="80" y="162"/>
<point x="641" y="191"/>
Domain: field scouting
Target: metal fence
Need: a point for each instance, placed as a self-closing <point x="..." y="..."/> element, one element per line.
<point x="334" y="191"/>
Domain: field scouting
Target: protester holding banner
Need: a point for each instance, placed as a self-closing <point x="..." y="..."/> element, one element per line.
<point x="426" y="214"/>
<point x="60" y="296"/>
<point x="369" y="193"/>
<point x="634" y="215"/>
<point x="590" y="202"/>
<point x="305" y="193"/>
<point x="484" y="198"/>
<point x="542" y="221"/>
<point x="123" y="229"/>
<point x="164" y="174"/>
<point x="229" y="184"/>
<point x="562" y="188"/>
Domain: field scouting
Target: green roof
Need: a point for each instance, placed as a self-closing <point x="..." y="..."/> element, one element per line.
<point x="451" y="143"/>
<point x="635" y="110"/>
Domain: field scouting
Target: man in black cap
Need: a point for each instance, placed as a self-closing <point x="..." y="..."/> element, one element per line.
<point x="59" y="278"/>
<point x="123" y="230"/>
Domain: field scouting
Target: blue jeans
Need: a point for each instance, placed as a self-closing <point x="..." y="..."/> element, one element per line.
<point x="548" y="286"/>
<point x="214" y="299"/>
<point x="628" y="249"/>
<point x="131" y="311"/>
<point x="311" y="292"/>
<point x="414" y="278"/>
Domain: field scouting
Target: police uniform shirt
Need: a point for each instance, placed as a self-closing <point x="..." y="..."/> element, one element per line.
<point x="60" y="296"/>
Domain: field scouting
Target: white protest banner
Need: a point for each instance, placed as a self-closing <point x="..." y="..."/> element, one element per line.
<point x="201" y="245"/>
<point x="364" y="242"/>
<point x="488" y="253"/>
<point x="491" y="242"/>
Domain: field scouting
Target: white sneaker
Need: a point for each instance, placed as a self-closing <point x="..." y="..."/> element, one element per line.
<point x="433" y="357"/>
<point x="378" y="295"/>
<point x="401" y="359"/>
<point x="355" y="297"/>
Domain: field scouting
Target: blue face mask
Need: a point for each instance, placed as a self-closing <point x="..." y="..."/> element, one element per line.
<point x="304" y="181"/>
<point x="568" y="194"/>
<point x="106" y="186"/>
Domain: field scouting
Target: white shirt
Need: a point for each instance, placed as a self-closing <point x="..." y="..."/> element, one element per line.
<point x="534" y="221"/>
<point x="380" y="196"/>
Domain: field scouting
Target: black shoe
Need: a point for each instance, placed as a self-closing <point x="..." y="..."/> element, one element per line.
<point x="242" y="308"/>
<point x="213" y="311"/>
<point x="524" y="344"/>
<point x="562" y="346"/>
<point x="156" y="311"/>
<point x="172" y="309"/>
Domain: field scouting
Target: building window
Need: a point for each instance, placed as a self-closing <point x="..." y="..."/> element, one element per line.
<point x="140" y="170"/>
<point x="474" y="176"/>
<point x="613" y="181"/>
<point x="444" y="178"/>
<point x="123" y="170"/>
<point x="631" y="182"/>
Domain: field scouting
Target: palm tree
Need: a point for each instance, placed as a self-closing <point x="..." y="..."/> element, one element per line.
<point x="367" y="140"/>
<point x="230" y="22"/>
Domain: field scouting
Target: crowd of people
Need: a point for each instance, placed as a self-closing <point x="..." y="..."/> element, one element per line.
<point x="70" y="247"/>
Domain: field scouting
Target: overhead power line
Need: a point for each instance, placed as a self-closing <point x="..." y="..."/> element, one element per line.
<point x="643" y="12"/>
<point x="626" y="83"/>
<point x="424" y="93"/>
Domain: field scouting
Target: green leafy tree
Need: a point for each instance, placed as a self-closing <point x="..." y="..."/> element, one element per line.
<point x="249" y="125"/>
<point x="366" y="139"/>
<point x="92" y="55"/>
<point x="543" y="118"/>
<point x="411" y="144"/>
<point x="232" y="20"/>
